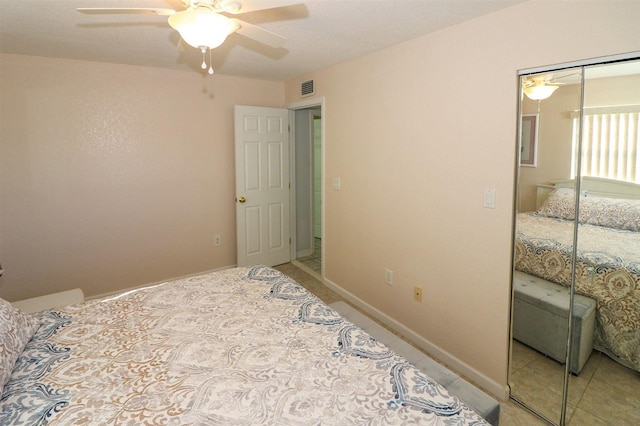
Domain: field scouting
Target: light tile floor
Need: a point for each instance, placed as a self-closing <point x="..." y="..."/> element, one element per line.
<point x="511" y="414"/>
<point x="604" y="393"/>
<point x="314" y="262"/>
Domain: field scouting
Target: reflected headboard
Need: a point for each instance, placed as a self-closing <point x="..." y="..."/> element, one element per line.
<point x="591" y="187"/>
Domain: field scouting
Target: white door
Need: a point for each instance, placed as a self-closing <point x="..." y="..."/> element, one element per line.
<point x="262" y="185"/>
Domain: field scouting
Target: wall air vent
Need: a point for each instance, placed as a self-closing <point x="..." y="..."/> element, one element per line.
<point x="307" y="88"/>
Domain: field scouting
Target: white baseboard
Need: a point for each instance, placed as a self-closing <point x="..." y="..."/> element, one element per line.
<point x="304" y="253"/>
<point x="308" y="270"/>
<point x="462" y="368"/>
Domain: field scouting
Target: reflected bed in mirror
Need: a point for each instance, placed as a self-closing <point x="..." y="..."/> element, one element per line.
<point x="608" y="256"/>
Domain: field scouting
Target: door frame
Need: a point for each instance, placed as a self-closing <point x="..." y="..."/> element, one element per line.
<point x="318" y="102"/>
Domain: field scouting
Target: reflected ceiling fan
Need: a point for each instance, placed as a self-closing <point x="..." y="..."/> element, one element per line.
<point x="541" y="86"/>
<point x="204" y="25"/>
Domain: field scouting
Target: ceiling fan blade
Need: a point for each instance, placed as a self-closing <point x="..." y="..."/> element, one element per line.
<point x="571" y="78"/>
<point x="259" y="34"/>
<point x="240" y="6"/>
<point x="125" y="10"/>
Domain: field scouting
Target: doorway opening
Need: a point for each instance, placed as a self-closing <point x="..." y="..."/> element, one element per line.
<point x="308" y="153"/>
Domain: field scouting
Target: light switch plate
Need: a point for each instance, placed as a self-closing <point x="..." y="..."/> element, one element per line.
<point x="336" y="184"/>
<point x="489" y="198"/>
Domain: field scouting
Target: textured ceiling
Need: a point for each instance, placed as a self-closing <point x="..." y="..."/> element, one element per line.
<point x="320" y="32"/>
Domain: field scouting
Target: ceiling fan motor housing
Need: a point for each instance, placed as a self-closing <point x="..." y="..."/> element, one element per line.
<point x="202" y="27"/>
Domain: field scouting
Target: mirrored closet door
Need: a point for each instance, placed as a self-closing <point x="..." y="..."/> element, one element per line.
<point x="576" y="281"/>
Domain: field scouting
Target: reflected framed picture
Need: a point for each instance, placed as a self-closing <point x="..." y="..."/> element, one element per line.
<point x="529" y="140"/>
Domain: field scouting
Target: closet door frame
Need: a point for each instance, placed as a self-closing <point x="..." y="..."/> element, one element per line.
<point x="581" y="65"/>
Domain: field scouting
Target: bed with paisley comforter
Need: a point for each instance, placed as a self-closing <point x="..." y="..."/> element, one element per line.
<point x="242" y="346"/>
<point x="607" y="263"/>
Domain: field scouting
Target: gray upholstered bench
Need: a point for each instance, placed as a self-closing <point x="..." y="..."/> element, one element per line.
<point x="540" y="319"/>
<point x="475" y="398"/>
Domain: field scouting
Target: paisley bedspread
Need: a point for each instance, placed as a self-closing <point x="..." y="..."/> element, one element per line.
<point x="607" y="270"/>
<point x="242" y="346"/>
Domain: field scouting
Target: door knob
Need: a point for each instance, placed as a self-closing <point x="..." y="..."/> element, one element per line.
<point x="241" y="200"/>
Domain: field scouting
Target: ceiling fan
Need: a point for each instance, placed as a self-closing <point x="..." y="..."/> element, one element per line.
<point x="539" y="87"/>
<point x="204" y="25"/>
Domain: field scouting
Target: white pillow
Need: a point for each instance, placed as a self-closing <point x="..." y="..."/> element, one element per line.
<point x="16" y="329"/>
<point x="611" y="212"/>
<point x="560" y="203"/>
<point x="617" y="213"/>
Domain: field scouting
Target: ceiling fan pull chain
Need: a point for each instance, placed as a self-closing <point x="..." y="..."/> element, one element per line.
<point x="210" y="64"/>
<point x="204" y="64"/>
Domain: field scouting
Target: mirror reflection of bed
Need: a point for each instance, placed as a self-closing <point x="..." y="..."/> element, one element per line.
<point x="604" y="366"/>
<point x="608" y="256"/>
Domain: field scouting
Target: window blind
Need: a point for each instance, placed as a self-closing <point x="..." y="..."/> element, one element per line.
<point x="610" y="140"/>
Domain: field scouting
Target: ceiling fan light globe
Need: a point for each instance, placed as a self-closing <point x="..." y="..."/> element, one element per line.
<point x="539" y="92"/>
<point x="202" y="27"/>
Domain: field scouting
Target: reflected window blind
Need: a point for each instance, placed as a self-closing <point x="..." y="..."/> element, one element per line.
<point x="610" y="141"/>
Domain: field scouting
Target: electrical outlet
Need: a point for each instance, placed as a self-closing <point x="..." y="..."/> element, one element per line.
<point x="217" y="240"/>
<point x="388" y="276"/>
<point x="417" y="294"/>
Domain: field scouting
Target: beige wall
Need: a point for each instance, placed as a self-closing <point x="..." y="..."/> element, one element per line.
<point x="624" y="90"/>
<point x="555" y="132"/>
<point x="416" y="132"/>
<point x="113" y="176"/>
